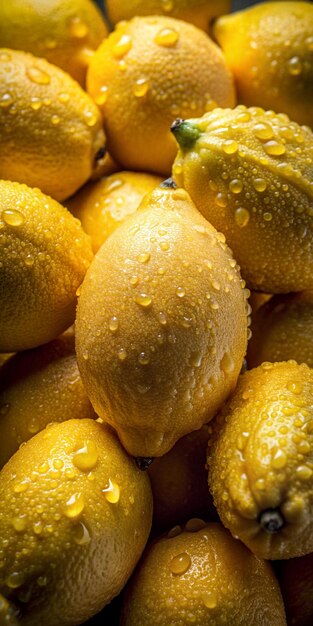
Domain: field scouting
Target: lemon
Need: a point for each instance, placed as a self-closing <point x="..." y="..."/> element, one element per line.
<point x="37" y="387"/>
<point x="198" y="12"/>
<point x="44" y="254"/>
<point x="65" y="32"/>
<point x="50" y="130"/>
<point x="161" y="327"/>
<point x="144" y="75"/>
<point x="202" y="576"/>
<point x="103" y="205"/>
<point x="247" y="174"/>
<point x="260" y="460"/>
<point x="269" y="49"/>
<point x="296" y="583"/>
<point x="282" y="329"/>
<point x="179" y="482"/>
<point x="75" y="517"/>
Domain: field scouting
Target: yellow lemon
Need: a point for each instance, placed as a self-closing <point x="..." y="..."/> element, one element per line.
<point x="65" y="32"/>
<point x="75" y="517"/>
<point x="202" y="576"/>
<point x="282" y="329"/>
<point x="269" y="48"/>
<point x="198" y="12"/>
<point x="44" y="254"/>
<point x="146" y="73"/>
<point x="261" y="457"/>
<point x="247" y="174"/>
<point x="179" y="483"/>
<point x="51" y="131"/>
<point x="103" y="205"/>
<point x="37" y="387"/>
<point x="161" y="327"/>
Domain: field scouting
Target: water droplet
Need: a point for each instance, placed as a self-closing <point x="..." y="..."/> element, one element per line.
<point x="143" y="300"/>
<point x="235" y="185"/>
<point x="55" y="120"/>
<point x="180" y="292"/>
<point x="274" y="148"/>
<point x="102" y="95"/>
<point x="113" y="324"/>
<point x="209" y="599"/>
<point x="227" y="363"/>
<point x="180" y="563"/>
<point x="74" y="506"/>
<point x="143" y="358"/>
<point x="42" y="581"/>
<point x="167" y="37"/>
<point x="279" y="459"/>
<point x="19" y="523"/>
<point x="14" y="580"/>
<point x="263" y="131"/>
<point x="162" y="318"/>
<point x="196" y="359"/>
<point x="29" y="260"/>
<point x="77" y="28"/>
<point x="195" y="524"/>
<point x="12" y="217"/>
<point x="81" y="534"/>
<point x="111" y="491"/>
<point x="33" y="426"/>
<point x="174" y="532"/>
<point x="20" y="487"/>
<point x="259" y="184"/>
<point x="267" y="216"/>
<point x="230" y="146"/>
<point x="164" y="245"/>
<point x="91" y="117"/>
<point x="122" y="354"/>
<point x="38" y="527"/>
<point x="86" y="457"/>
<point x="294" y="66"/>
<point x="167" y="5"/>
<point x="304" y="472"/>
<point x="242" y="217"/>
<point x="37" y="75"/>
<point x="122" y="47"/>
<point x="143" y="257"/>
<point x="6" y="100"/>
<point x="295" y="388"/>
<point x="141" y="87"/>
<point x="64" y="97"/>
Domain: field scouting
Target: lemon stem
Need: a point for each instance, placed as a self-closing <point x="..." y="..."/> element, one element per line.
<point x="169" y="183"/>
<point x="143" y="462"/>
<point x="271" y="520"/>
<point x="186" y="134"/>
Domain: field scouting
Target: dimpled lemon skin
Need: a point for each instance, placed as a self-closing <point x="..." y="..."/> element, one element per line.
<point x="103" y="205"/>
<point x="269" y="49"/>
<point x="260" y="460"/>
<point x="44" y="254"/>
<point x="282" y="329"/>
<point x="197" y="12"/>
<point x="161" y="327"/>
<point x="65" y="32"/>
<point x="144" y="75"/>
<point x="75" y="517"/>
<point x="250" y="173"/>
<point x="50" y="130"/>
<point x="37" y="387"/>
<point x="202" y="576"/>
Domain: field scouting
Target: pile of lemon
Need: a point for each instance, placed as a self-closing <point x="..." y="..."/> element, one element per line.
<point x="156" y="313"/>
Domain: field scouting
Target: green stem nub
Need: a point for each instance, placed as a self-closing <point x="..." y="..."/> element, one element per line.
<point x="271" y="521"/>
<point x="143" y="462"/>
<point x="169" y="183"/>
<point x="186" y="134"/>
